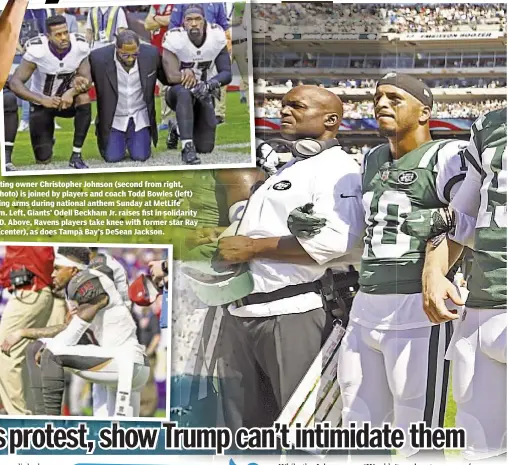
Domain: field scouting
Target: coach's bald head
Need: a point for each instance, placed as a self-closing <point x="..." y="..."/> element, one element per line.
<point x="310" y="111"/>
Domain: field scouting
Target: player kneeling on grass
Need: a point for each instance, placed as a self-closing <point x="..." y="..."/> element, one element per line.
<point x="118" y="361"/>
<point x="58" y="62"/>
<point x="197" y="64"/>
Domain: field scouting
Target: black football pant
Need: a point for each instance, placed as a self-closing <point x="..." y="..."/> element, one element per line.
<point x="10" y="122"/>
<point x="196" y="119"/>
<point x="42" y="128"/>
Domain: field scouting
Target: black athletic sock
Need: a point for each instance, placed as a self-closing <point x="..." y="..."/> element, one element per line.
<point x="82" y="122"/>
<point x="8" y="153"/>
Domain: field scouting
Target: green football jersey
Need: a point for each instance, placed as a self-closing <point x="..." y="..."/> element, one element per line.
<point x="487" y="153"/>
<point x="209" y="198"/>
<point x="210" y="201"/>
<point x="426" y="177"/>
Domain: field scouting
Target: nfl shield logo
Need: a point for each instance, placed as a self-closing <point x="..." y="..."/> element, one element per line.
<point x="385" y="174"/>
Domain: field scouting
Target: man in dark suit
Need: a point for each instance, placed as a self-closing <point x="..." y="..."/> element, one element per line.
<point x="125" y="75"/>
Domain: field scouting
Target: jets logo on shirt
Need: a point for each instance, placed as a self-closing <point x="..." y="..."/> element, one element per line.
<point x="407" y="177"/>
<point x="282" y="186"/>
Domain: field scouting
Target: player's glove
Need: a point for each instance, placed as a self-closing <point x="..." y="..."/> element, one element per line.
<point x="302" y="222"/>
<point x="266" y="157"/>
<point x="428" y="224"/>
<point x="204" y="90"/>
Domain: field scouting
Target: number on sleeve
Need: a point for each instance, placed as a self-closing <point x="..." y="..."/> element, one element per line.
<point x="492" y="179"/>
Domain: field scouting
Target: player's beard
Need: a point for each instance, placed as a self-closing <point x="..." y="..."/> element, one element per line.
<point x="126" y="65"/>
<point x="387" y="132"/>
<point x="195" y="34"/>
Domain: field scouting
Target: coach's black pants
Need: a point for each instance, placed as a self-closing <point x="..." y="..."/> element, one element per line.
<point x="196" y="119"/>
<point x="261" y="361"/>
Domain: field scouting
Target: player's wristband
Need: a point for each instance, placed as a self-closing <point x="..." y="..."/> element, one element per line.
<point x="165" y="267"/>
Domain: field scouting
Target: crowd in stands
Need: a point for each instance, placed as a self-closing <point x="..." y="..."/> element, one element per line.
<point x="270" y="108"/>
<point x="466" y="109"/>
<point x="395" y="18"/>
<point x="449" y="83"/>
<point x="443" y="18"/>
<point x="82" y="12"/>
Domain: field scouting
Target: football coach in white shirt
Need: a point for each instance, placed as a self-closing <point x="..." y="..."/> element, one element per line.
<point x="271" y="337"/>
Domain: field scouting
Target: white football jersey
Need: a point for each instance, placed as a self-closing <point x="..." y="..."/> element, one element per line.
<point x="200" y="59"/>
<point x="53" y="75"/>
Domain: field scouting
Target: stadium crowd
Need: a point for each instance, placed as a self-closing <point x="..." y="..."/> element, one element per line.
<point x="450" y="83"/>
<point x="383" y="17"/>
<point x="270" y="108"/>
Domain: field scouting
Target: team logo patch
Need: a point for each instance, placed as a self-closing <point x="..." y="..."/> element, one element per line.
<point x="407" y="177"/>
<point x="282" y="186"/>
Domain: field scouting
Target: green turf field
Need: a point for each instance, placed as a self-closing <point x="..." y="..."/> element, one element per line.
<point x="235" y="131"/>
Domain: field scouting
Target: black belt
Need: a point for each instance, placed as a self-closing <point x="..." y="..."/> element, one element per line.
<point x="344" y="279"/>
<point x="239" y="41"/>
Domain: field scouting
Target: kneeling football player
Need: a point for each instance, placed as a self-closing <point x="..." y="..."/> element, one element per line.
<point x="197" y="64"/>
<point x="111" y="357"/>
<point x="60" y="71"/>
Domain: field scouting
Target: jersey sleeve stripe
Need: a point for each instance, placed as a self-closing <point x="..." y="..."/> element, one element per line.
<point x="471" y="153"/>
<point x="449" y="185"/>
<point x="368" y="155"/>
<point x="430" y="154"/>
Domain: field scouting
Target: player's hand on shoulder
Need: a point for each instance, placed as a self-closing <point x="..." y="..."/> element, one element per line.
<point x="51" y="102"/>
<point x="303" y="223"/>
<point x="436" y="291"/>
<point x="236" y="249"/>
<point x="188" y="78"/>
